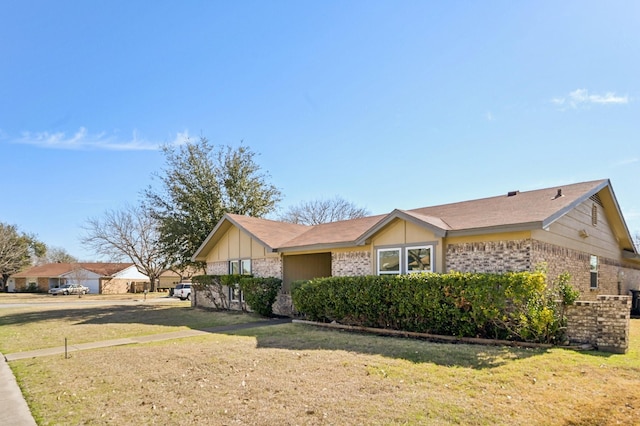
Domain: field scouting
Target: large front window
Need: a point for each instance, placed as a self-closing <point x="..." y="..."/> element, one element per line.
<point x="405" y="260"/>
<point x="419" y="259"/>
<point x="389" y="261"/>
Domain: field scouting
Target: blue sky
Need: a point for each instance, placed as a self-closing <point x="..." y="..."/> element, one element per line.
<point x="389" y="104"/>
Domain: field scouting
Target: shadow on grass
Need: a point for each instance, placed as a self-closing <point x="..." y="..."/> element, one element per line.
<point x="295" y="337"/>
<point x="151" y="314"/>
<point x="300" y="337"/>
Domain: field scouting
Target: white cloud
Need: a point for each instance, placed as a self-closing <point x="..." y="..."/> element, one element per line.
<point x="582" y="97"/>
<point x="626" y="161"/>
<point x="83" y="140"/>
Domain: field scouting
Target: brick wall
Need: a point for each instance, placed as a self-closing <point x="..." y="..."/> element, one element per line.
<point x="562" y="259"/>
<point x="352" y="263"/>
<point x="526" y="255"/>
<point x="218" y="268"/>
<point x="603" y="323"/>
<point x="489" y="256"/>
<point x="267" y="267"/>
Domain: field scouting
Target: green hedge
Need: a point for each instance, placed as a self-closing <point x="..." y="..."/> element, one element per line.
<point x="514" y="306"/>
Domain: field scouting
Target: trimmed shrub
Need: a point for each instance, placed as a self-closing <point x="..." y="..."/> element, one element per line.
<point x="260" y="293"/>
<point x="515" y="306"/>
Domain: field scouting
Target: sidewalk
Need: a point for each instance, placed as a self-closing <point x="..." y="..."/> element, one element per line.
<point x="14" y="410"/>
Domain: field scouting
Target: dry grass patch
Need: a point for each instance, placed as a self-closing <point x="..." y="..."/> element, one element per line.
<point x="29" y="328"/>
<point x="297" y="374"/>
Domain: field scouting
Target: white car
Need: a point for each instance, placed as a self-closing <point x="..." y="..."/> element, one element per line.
<point x="69" y="289"/>
<point x="183" y="291"/>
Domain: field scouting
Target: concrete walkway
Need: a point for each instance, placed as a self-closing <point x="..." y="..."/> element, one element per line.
<point x="14" y="410"/>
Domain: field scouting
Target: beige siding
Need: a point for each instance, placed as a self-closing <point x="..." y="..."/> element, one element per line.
<point x="402" y="233"/>
<point x="235" y="244"/>
<point x="566" y="232"/>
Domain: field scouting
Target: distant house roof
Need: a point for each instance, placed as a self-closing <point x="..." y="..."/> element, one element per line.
<point x="511" y="211"/>
<point x="58" y="269"/>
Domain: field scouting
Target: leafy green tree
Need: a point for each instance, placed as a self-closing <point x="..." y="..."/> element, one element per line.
<point x="320" y="211"/>
<point x="17" y="250"/>
<point x="200" y="183"/>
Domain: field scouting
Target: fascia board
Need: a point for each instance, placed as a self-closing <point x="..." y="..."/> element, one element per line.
<point x="399" y="214"/>
<point x="314" y="247"/>
<point x="557" y="215"/>
<point x="222" y="226"/>
<point x="219" y="225"/>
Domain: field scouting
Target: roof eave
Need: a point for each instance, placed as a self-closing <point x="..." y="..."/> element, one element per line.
<point x="558" y="214"/>
<point x="399" y="214"/>
<point x="630" y="256"/>
<point x="220" y="226"/>
<point x="316" y="247"/>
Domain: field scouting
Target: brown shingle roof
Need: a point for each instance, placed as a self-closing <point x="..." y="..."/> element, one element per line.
<point x="522" y="208"/>
<point x="270" y="232"/>
<point x="517" y="210"/>
<point x="57" y="269"/>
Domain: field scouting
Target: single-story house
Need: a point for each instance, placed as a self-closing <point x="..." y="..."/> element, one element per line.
<point x="576" y="228"/>
<point x="100" y="277"/>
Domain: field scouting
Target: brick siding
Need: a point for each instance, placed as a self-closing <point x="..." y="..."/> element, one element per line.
<point x="603" y="323"/>
<point x="352" y="263"/>
<point x="489" y="256"/>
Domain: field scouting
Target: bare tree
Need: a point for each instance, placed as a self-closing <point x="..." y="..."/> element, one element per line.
<point x="323" y="211"/>
<point x="56" y="255"/>
<point x="132" y="234"/>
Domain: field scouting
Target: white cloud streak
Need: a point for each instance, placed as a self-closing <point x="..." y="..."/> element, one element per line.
<point x="83" y="140"/>
<point x="626" y="161"/>
<point x="582" y="98"/>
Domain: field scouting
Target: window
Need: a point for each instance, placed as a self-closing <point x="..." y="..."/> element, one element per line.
<point x="394" y="261"/>
<point x="389" y="261"/>
<point x="419" y="259"/>
<point x="238" y="267"/>
<point x="594" y="271"/>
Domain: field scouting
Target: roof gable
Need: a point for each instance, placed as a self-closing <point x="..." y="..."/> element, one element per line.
<point x="514" y="211"/>
<point x="269" y="233"/>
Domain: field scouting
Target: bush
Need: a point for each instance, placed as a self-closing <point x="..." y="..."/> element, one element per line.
<point x="516" y="306"/>
<point x="260" y="293"/>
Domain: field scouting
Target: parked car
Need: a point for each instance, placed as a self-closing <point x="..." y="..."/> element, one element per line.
<point x="183" y="291"/>
<point x="69" y="289"/>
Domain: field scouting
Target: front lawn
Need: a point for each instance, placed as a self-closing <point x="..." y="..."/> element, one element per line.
<point x="298" y="374"/>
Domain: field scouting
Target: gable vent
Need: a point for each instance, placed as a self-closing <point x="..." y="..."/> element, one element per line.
<point x="596" y="199"/>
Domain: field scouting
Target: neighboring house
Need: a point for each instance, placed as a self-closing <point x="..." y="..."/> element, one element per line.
<point x="170" y="278"/>
<point x="99" y="277"/>
<point x="127" y="280"/>
<point x="575" y="228"/>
